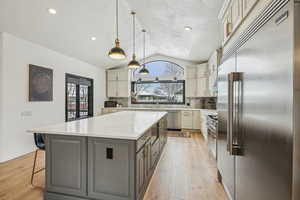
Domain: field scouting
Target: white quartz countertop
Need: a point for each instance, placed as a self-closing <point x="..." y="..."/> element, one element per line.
<point x="128" y="125"/>
<point x="164" y="109"/>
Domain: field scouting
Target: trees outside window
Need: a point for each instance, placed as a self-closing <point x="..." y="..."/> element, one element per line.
<point x="163" y="85"/>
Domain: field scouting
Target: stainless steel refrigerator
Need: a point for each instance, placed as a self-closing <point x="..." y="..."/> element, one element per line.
<point x="259" y="108"/>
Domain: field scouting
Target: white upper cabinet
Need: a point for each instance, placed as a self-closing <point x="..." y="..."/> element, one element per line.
<point x="112" y="75"/>
<point x="191" y="87"/>
<point x="118" y="83"/>
<point x="123" y="75"/>
<point x="227" y="25"/>
<point x="233" y="14"/>
<point x="118" y="75"/>
<point x="197" y="81"/>
<point x="202" y="87"/>
<point x="213" y="62"/>
<point x="236" y="13"/>
<point x="247" y="6"/>
<point x="191" y="72"/>
<point x="202" y="70"/>
<point x="112" y="88"/>
<point x="123" y="89"/>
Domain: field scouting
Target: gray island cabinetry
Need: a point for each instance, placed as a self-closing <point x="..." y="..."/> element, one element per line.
<point x="110" y="157"/>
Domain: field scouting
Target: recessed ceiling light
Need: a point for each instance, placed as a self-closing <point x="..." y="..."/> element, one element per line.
<point x="93" y="38"/>
<point x="188" y="28"/>
<point x="52" y="11"/>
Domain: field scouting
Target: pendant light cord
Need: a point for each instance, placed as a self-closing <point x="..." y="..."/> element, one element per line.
<point x="133" y="33"/>
<point x="144" y="46"/>
<point x="117" y="18"/>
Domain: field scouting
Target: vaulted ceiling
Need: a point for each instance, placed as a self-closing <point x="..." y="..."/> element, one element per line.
<point x="76" y="21"/>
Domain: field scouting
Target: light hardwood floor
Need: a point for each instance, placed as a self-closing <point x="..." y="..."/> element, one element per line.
<point x="185" y="172"/>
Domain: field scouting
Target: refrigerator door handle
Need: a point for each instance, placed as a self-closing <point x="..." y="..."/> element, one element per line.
<point x="234" y="136"/>
<point x="230" y="112"/>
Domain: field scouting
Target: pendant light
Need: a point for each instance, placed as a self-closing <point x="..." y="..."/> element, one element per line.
<point x="117" y="53"/>
<point x="144" y="70"/>
<point x="133" y="64"/>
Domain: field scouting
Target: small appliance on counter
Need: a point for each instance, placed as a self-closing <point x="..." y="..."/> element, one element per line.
<point x="110" y="104"/>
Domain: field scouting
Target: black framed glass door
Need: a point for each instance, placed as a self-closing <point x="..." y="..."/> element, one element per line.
<point x="79" y="97"/>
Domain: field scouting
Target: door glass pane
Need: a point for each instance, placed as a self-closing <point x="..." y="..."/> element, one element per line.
<point x="71" y="95"/>
<point x="84" y="100"/>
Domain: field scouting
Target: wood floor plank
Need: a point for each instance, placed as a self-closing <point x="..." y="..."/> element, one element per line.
<point x="185" y="172"/>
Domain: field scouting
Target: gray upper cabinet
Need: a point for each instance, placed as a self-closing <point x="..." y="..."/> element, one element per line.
<point x="66" y="165"/>
<point x="111" y="169"/>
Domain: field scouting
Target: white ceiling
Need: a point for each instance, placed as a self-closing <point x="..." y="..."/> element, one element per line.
<point x="76" y="21"/>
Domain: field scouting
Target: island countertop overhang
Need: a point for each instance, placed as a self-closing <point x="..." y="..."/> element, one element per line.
<point x="127" y="125"/>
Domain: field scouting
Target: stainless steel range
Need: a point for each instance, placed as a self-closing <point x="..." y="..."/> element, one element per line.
<point x="212" y="124"/>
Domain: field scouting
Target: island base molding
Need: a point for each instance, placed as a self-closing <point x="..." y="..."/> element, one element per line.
<point x="56" y="196"/>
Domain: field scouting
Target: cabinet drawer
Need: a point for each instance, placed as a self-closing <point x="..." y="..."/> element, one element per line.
<point x="142" y="140"/>
<point x="154" y="153"/>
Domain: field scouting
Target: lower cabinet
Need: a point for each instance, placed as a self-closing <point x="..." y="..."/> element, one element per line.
<point x="148" y="173"/>
<point x="140" y="173"/>
<point x="89" y="168"/>
<point x="66" y="165"/>
<point x="187" y="119"/>
<point x="110" y="169"/>
<point x="147" y="158"/>
<point x="154" y="153"/>
<point x="191" y="119"/>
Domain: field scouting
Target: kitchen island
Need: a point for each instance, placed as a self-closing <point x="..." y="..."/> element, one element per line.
<point x="109" y="157"/>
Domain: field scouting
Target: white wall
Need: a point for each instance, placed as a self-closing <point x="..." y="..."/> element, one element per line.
<point x="1" y="106"/>
<point x="17" y="55"/>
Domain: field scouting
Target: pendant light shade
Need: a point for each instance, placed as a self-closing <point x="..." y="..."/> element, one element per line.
<point x="117" y="52"/>
<point x="133" y="64"/>
<point x="144" y="70"/>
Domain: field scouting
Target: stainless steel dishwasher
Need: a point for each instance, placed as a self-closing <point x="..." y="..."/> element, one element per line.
<point x="174" y="120"/>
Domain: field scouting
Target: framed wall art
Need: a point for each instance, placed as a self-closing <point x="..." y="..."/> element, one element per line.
<point x="40" y="83"/>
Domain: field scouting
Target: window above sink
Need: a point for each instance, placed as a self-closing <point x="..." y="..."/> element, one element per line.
<point x="163" y="85"/>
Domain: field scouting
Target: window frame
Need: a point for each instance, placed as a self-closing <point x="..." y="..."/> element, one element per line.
<point x="149" y="79"/>
<point x="90" y="97"/>
<point x="159" y="81"/>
